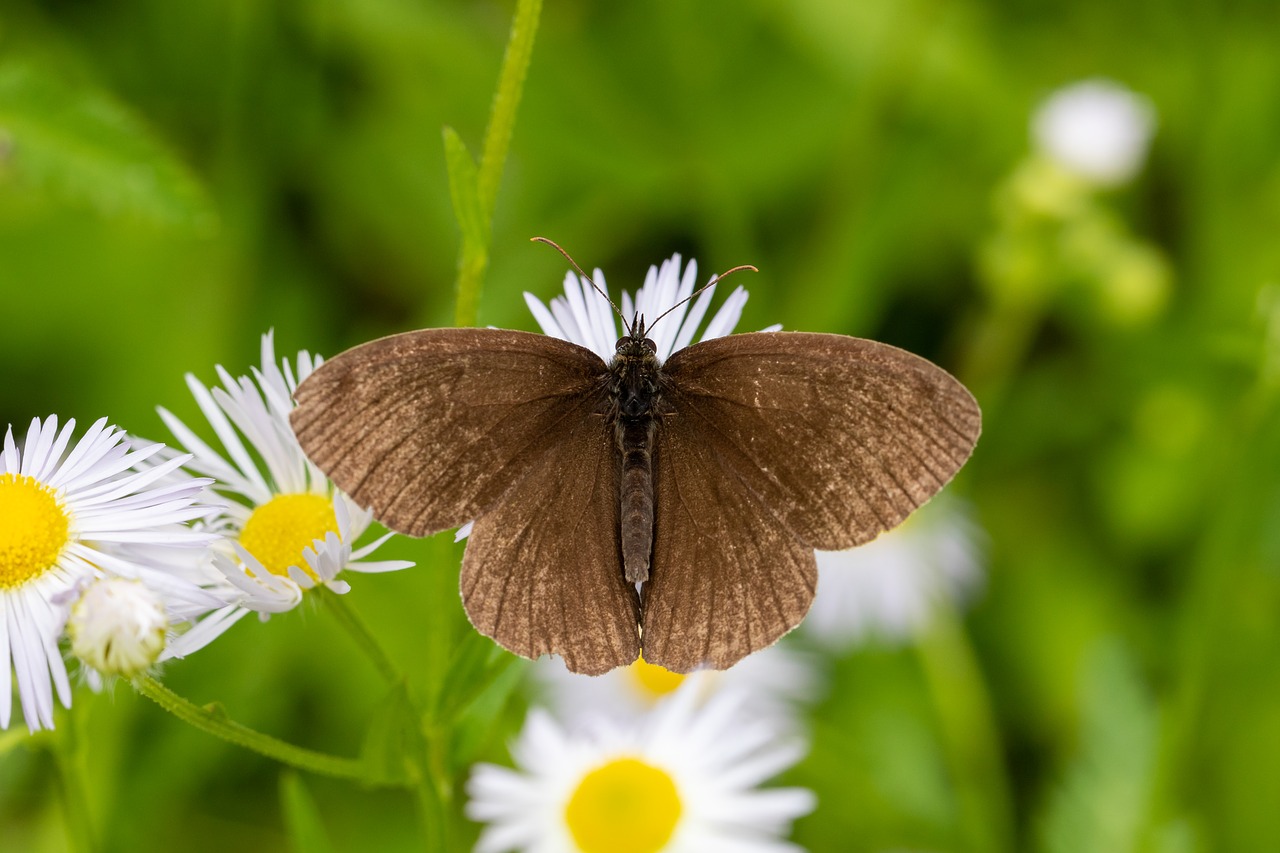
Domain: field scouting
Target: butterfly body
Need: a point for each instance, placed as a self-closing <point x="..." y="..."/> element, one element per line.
<point x="634" y="400"/>
<point x="710" y="477"/>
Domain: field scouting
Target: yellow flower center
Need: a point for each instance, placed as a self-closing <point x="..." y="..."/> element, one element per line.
<point x="652" y="680"/>
<point x="34" y="528"/>
<point x="625" y="806"/>
<point x="278" y="531"/>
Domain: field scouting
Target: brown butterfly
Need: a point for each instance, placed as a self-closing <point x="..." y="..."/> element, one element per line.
<point x="637" y="505"/>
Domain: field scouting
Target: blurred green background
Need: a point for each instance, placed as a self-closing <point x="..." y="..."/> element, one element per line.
<point x="177" y="178"/>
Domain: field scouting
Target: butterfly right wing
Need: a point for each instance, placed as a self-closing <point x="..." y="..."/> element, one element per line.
<point x="773" y="444"/>
<point x="431" y="428"/>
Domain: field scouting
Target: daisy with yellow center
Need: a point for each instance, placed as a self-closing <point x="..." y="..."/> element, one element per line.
<point x="102" y="508"/>
<point x="682" y="779"/>
<point x="284" y="527"/>
<point x="778" y="679"/>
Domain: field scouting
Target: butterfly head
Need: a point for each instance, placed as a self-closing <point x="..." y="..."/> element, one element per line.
<point x="636" y="344"/>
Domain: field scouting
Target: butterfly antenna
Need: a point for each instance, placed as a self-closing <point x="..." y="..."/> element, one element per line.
<point x="715" y="279"/>
<point x="589" y="279"/>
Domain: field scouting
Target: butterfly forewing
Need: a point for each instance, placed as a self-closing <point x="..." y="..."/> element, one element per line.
<point x="542" y="573"/>
<point x="430" y="428"/>
<point x="841" y="437"/>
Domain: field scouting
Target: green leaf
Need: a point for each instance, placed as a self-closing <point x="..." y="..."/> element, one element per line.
<point x="477" y="662"/>
<point x="80" y="145"/>
<point x="464" y="190"/>
<point x="481" y="724"/>
<point x="394" y="751"/>
<point x="1101" y="801"/>
<point x="302" y="817"/>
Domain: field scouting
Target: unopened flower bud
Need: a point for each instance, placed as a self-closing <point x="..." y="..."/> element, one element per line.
<point x="118" y="626"/>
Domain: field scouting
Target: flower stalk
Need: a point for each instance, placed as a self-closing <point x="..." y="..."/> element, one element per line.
<point x="218" y="725"/>
<point x="475" y="188"/>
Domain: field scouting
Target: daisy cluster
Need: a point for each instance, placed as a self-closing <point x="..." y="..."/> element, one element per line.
<point x="128" y="552"/>
<point x="643" y="760"/>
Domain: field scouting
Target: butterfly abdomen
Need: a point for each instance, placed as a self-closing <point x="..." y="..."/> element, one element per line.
<point x="637" y="497"/>
<point x="634" y="402"/>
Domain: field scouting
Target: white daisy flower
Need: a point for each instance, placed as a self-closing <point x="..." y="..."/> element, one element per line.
<point x="67" y="517"/>
<point x="284" y="526"/>
<point x="584" y="317"/>
<point x="887" y="588"/>
<point x="778" y="679"/>
<point x="684" y="779"/>
<point x="1096" y="129"/>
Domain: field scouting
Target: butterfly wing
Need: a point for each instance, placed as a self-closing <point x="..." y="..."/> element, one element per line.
<point x="542" y="573"/>
<point x="813" y="441"/>
<point x="430" y="428"/>
<point x="438" y="427"/>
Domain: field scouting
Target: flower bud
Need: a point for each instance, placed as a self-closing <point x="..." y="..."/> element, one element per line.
<point x="118" y="626"/>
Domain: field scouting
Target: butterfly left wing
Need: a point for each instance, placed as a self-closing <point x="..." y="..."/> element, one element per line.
<point x="438" y="427"/>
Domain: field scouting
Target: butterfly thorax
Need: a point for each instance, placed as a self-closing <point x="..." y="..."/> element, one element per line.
<point x="634" y="374"/>
<point x="634" y="385"/>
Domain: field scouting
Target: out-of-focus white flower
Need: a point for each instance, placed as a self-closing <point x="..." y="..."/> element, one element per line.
<point x="1096" y="129"/>
<point x="283" y="530"/>
<point x="118" y="626"/>
<point x="888" y="588"/>
<point x="66" y="517"/>
<point x="776" y="680"/>
<point x="683" y="779"/>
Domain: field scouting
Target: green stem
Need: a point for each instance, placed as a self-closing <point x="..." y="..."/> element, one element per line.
<point x="474" y="257"/>
<point x="66" y="750"/>
<point x="506" y="101"/>
<point x="996" y="349"/>
<point x="436" y="790"/>
<point x="359" y="631"/>
<point x="434" y="818"/>
<point x="218" y="725"/>
<point x="970" y="736"/>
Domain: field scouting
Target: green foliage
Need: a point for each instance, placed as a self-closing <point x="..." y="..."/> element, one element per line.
<point x="394" y="751"/>
<point x="79" y="144"/>
<point x="302" y="817"/>
<point x="1104" y="795"/>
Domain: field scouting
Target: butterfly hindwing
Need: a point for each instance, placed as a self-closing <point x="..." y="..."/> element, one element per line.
<point x="430" y="428"/>
<point x="727" y="577"/>
<point x="542" y="573"/>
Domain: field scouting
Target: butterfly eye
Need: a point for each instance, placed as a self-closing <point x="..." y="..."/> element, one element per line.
<point x="621" y="341"/>
<point x="650" y="345"/>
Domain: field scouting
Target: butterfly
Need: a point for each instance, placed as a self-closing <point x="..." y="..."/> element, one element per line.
<point x="637" y="505"/>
